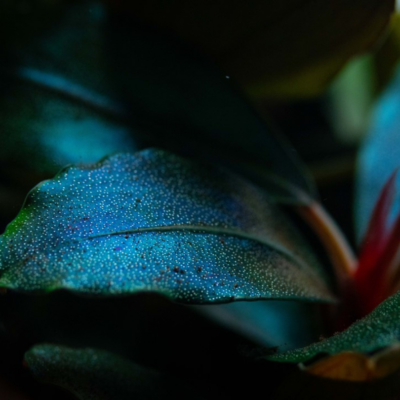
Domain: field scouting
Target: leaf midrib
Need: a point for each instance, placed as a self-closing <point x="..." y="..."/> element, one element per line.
<point x="211" y="230"/>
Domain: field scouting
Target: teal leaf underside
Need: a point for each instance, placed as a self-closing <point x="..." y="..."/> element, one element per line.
<point x="379" y="329"/>
<point x="271" y="324"/>
<point x="155" y="222"/>
<point x="92" y="374"/>
<point x="41" y="132"/>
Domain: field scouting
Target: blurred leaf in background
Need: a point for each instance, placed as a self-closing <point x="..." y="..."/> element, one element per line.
<point x="274" y="49"/>
<point x="379" y="156"/>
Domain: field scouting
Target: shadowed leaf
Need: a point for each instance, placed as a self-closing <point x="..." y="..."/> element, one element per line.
<point x="274" y="48"/>
<point x="155" y="222"/>
<point x="64" y="108"/>
<point x="90" y="88"/>
<point x="98" y="375"/>
<point x="278" y="325"/>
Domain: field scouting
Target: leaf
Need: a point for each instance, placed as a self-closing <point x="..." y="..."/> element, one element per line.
<point x="277" y="325"/>
<point x="43" y="132"/>
<point x="285" y="48"/>
<point x="155" y="222"/>
<point x="306" y="386"/>
<point x="356" y="367"/>
<point x="172" y="90"/>
<point x="64" y="107"/>
<point x="92" y="374"/>
<point x="346" y="366"/>
<point x="379" y="157"/>
<point x="377" y="330"/>
<point x="90" y="88"/>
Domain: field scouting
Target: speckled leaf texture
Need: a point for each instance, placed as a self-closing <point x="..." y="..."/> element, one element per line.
<point x="377" y="330"/>
<point x="155" y="222"/>
<point x="98" y="375"/>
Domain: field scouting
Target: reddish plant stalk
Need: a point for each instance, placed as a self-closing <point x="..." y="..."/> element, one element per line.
<point x="364" y="284"/>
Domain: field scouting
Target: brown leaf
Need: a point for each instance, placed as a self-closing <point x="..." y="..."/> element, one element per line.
<point x="357" y="367"/>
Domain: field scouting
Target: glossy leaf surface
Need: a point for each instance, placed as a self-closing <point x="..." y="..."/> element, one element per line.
<point x="93" y="86"/>
<point x="275" y="48"/>
<point x="379" y="157"/>
<point x="381" y="328"/>
<point x="93" y="374"/>
<point x="155" y="222"/>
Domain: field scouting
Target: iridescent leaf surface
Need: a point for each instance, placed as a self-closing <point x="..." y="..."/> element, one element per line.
<point x="379" y="157"/>
<point x="275" y="48"/>
<point x="381" y="328"/>
<point x="155" y="222"/>
<point x="92" y="374"/>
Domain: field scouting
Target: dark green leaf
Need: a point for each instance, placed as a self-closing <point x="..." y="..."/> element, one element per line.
<point x="275" y="48"/>
<point x="155" y="222"/>
<point x="379" y="156"/>
<point x="98" y="375"/>
<point x="379" y="329"/>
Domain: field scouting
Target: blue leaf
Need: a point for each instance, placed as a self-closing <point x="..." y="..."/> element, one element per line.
<point x="155" y="222"/>
<point x="379" y="157"/>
